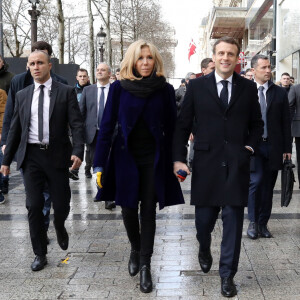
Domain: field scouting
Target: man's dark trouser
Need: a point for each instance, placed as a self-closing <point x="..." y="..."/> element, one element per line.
<point x="297" y="142"/>
<point x="38" y="169"/>
<point x="47" y="204"/>
<point x="262" y="182"/>
<point x="90" y="153"/>
<point x="232" y="217"/>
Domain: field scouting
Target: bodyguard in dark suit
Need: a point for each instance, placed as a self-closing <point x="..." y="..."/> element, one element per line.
<point x="294" y="101"/>
<point x="43" y="113"/>
<point x="18" y="83"/>
<point x="228" y="129"/>
<point x="274" y="146"/>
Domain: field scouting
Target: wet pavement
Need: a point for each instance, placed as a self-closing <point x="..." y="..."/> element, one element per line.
<point x="95" y="265"/>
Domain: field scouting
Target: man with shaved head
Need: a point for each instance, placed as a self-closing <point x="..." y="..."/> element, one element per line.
<point x="19" y="82"/>
<point x="43" y="113"/>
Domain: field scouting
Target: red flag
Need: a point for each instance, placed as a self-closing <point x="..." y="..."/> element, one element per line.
<point x="192" y="49"/>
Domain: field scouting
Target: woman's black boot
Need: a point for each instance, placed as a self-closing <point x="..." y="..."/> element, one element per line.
<point x="134" y="262"/>
<point x="145" y="279"/>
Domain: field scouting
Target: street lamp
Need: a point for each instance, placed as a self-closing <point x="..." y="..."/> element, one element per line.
<point x="34" y="13"/>
<point x="101" y="35"/>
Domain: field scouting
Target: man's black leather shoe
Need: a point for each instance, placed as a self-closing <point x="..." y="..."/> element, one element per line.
<point x="228" y="288"/>
<point x="47" y="239"/>
<point x="110" y="205"/>
<point x="145" y="280"/>
<point x="252" y="231"/>
<point x="5" y="185"/>
<point x="88" y="174"/>
<point x="73" y="174"/>
<point x="62" y="237"/>
<point x="134" y="263"/>
<point x="264" y="232"/>
<point x="39" y="263"/>
<point x="205" y="260"/>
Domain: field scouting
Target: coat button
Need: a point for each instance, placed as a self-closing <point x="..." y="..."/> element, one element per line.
<point x="226" y="142"/>
<point x="225" y="119"/>
<point x="224" y="164"/>
<point x="122" y="147"/>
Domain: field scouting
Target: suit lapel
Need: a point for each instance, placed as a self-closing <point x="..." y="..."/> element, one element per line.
<point x="94" y="102"/>
<point x="95" y="96"/>
<point x="53" y="95"/>
<point x="27" y="108"/>
<point x="237" y="86"/>
<point x="269" y="95"/>
<point x="212" y="87"/>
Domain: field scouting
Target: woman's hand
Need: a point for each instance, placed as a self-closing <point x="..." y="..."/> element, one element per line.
<point x="99" y="180"/>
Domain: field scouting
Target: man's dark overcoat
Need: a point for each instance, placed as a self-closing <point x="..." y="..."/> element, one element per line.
<point x="121" y="180"/>
<point x="278" y="125"/>
<point x="221" y="165"/>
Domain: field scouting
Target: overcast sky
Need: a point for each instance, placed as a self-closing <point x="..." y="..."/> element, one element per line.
<point x="185" y="16"/>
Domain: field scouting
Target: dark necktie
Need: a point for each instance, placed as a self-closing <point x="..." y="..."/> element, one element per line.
<point x="101" y="106"/>
<point x="40" y="112"/>
<point x="263" y="107"/>
<point x="224" y="93"/>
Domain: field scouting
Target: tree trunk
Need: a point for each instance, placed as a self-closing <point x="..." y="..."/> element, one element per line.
<point x="109" y="48"/>
<point x="91" y="41"/>
<point x="61" y="32"/>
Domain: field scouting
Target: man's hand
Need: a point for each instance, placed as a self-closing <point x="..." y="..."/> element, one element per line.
<point x="4" y="170"/>
<point x="191" y="138"/>
<point x="76" y="162"/>
<point x="3" y="148"/>
<point x="287" y="156"/>
<point x="250" y="149"/>
<point x="180" y="166"/>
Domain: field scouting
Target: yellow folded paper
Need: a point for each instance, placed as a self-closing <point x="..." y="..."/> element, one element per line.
<point x="98" y="180"/>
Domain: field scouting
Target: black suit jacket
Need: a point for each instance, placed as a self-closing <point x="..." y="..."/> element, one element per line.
<point x="278" y="125"/>
<point x="63" y="112"/>
<point x="221" y="165"/>
<point x="18" y="83"/>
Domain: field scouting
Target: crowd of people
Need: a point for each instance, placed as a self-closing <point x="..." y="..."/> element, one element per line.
<point x="135" y="129"/>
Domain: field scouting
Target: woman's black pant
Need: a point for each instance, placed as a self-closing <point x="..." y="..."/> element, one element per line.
<point x="141" y="234"/>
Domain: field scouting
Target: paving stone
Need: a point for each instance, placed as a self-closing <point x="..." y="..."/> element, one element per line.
<point x="84" y="295"/>
<point x="99" y="251"/>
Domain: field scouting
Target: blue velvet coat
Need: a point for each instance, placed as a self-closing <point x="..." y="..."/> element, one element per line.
<point x="122" y="110"/>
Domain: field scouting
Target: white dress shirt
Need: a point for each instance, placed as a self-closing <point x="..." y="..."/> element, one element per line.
<point x="33" y="137"/>
<point x="99" y="91"/>
<point x="220" y="85"/>
<point x="266" y="86"/>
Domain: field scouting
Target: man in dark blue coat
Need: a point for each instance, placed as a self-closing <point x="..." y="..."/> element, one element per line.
<point x="18" y="83"/>
<point x="275" y="145"/>
<point x="228" y="129"/>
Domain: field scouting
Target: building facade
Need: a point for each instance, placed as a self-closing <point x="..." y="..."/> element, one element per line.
<point x="270" y="27"/>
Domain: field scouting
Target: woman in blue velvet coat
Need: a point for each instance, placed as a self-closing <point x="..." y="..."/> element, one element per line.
<point x="134" y="151"/>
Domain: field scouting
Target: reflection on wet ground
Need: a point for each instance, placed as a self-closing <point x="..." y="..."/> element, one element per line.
<point x="95" y="265"/>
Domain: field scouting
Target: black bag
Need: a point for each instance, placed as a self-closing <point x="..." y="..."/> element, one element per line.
<point x="287" y="182"/>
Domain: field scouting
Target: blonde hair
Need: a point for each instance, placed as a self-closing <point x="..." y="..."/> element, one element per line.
<point x="132" y="55"/>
